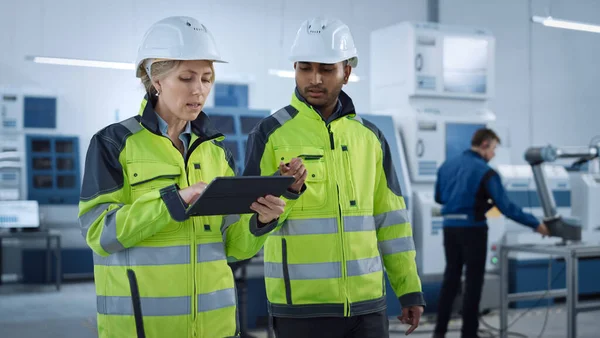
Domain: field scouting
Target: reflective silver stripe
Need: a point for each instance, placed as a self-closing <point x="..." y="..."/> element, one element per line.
<point x="282" y="116"/>
<point x="363" y="266"/>
<point x="151" y="306"/>
<point x="391" y="218"/>
<point x="132" y="124"/>
<point x="456" y="216"/>
<point x="211" y="252"/>
<point x="305" y="271"/>
<point x="216" y="300"/>
<point x="312" y="226"/>
<point x="86" y="220"/>
<point x="108" y="238"/>
<point x="396" y="245"/>
<point x="359" y="119"/>
<point x="228" y="220"/>
<point x="136" y="256"/>
<point x="359" y="223"/>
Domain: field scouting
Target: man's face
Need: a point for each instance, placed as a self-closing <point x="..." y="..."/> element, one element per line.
<point x="488" y="149"/>
<point x="320" y="83"/>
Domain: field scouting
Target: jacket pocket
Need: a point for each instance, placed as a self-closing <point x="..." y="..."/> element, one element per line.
<point x="316" y="194"/>
<point x="286" y="272"/>
<point x="145" y="177"/>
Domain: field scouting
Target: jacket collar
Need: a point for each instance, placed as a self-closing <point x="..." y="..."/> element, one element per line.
<point x="474" y="154"/>
<point x="347" y="106"/>
<point x="201" y="126"/>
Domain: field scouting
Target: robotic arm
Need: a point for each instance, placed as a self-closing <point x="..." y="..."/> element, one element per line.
<point x="559" y="226"/>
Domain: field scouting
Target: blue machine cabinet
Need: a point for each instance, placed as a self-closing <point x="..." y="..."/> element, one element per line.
<point x="53" y="174"/>
<point x="39" y="112"/>
<point x="236" y="124"/>
<point x="231" y="95"/>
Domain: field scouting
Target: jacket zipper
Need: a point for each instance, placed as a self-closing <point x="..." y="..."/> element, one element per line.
<point x="351" y="189"/>
<point x="286" y="272"/>
<point x="194" y="260"/>
<point x="340" y="230"/>
<point x="192" y="147"/>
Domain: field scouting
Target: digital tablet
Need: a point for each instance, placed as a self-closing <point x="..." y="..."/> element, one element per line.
<point x="234" y="195"/>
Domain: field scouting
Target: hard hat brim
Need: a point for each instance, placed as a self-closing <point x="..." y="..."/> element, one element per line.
<point x="353" y="61"/>
<point x="139" y="72"/>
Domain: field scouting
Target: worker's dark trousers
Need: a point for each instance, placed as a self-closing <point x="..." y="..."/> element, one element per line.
<point x="374" y="325"/>
<point x="463" y="246"/>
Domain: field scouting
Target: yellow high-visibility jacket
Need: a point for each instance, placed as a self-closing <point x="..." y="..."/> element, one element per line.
<point x="132" y="217"/>
<point x="328" y="257"/>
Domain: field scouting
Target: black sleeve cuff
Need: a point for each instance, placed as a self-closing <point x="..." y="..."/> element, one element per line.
<point x="412" y="299"/>
<point x="291" y="195"/>
<point x="174" y="202"/>
<point x="265" y="229"/>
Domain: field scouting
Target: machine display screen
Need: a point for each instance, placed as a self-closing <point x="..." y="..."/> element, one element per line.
<point x="465" y="65"/>
<point x="458" y="137"/>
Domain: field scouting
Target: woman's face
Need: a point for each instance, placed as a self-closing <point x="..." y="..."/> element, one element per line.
<point x="183" y="91"/>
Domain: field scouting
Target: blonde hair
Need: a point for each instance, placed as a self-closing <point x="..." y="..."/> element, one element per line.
<point x="160" y="69"/>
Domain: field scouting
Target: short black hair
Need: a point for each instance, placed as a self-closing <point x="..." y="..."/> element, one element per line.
<point x="482" y="135"/>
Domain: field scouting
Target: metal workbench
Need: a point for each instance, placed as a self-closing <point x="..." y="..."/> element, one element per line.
<point x="571" y="254"/>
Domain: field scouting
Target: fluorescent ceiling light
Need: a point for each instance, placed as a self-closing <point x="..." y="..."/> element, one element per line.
<point x="291" y="74"/>
<point x="566" y="24"/>
<point x="81" y="63"/>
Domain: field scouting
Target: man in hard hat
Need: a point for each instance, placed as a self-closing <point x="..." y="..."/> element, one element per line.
<point x="467" y="188"/>
<point x="324" y="267"/>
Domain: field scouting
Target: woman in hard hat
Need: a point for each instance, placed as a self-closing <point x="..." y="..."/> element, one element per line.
<point x="141" y="174"/>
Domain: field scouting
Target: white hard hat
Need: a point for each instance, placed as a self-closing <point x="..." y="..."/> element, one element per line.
<point x="176" y="38"/>
<point x="324" y="41"/>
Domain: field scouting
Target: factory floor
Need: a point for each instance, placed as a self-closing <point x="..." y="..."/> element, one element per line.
<point x="40" y="311"/>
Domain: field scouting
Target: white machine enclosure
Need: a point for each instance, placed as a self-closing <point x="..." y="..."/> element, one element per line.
<point x="12" y="105"/>
<point x="19" y="214"/>
<point x="585" y="192"/>
<point x="13" y="159"/>
<point x="435" y="81"/>
<point x="429" y="76"/>
<point x="429" y="236"/>
<point x="428" y="136"/>
<point x="12" y="166"/>
<point x="423" y="59"/>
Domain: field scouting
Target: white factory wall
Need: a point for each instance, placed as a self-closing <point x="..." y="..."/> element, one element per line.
<point x="254" y="36"/>
<point x="544" y="88"/>
<point x="545" y="84"/>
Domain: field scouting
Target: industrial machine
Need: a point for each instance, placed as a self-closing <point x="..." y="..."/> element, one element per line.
<point x="15" y="212"/>
<point x="12" y="166"/>
<point x="435" y="81"/>
<point x="562" y="200"/>
<point x="39" y="181"/>
<point x="568" y="228"/>
<point x="521" y="189"/>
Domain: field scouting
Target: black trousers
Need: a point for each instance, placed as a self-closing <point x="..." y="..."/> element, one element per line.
<point x="463" y="246"/>
<point x="373" y="325"/>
